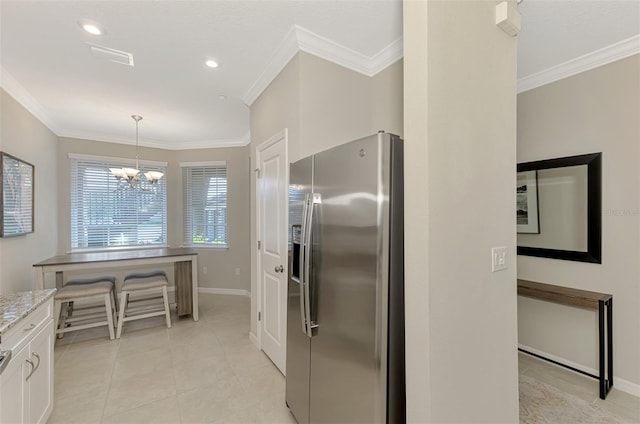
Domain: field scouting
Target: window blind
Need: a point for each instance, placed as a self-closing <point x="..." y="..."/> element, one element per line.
<point x="205" y="204"/>
<point x="104" y="213"/>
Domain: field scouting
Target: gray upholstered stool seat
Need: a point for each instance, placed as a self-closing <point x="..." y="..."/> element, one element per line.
<point x="89" y="280"/>
<point x="84" y="289"/>
<point x="145" y="282"/>
<point x="69" y="292"/>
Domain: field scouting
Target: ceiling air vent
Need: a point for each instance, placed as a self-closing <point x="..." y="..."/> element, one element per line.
<point x="112" y="55"/>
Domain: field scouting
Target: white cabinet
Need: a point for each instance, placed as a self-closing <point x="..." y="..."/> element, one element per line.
<point x="26" y="384"/>
<point x="13" y="390"/>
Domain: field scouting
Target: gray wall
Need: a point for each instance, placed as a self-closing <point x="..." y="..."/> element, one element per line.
<point x="338" y="105"/>
<point x="221" y="264"/>
<point x="460" y="141"/>
<point x="595" y="111"/>
<point x="322" y="105"/>
<point x="335" y="105"/>
<point x="24" y="136"/>
<point x="387" y="100"/>
<point x="277" y="108"/>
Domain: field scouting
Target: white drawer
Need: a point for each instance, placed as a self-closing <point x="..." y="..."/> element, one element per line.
<point x="18" y="335"/>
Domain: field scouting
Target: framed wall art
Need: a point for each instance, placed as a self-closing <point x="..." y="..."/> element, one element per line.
<point x="527" y="203"/>
<point x="16" y="196"/>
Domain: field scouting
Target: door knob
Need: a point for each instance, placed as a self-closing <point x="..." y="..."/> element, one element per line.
<point x="279" y="268"/>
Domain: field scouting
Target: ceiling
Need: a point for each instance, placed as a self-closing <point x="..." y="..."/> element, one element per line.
<point x="47" y="65"/>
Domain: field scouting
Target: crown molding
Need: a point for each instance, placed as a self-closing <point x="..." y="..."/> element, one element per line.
<point x="214" y="144"/>
<point x="301" y="39"/>
<point x="157" y="144"/>
<point x="286" y="50"/>
<point x="387" y="56"/>
<point x="616" y="51"/>
<point x="22" y="96"/>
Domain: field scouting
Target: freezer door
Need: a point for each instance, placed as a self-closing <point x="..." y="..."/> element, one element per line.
<point x="298" y="344"/>
<point x="348" y="349"/>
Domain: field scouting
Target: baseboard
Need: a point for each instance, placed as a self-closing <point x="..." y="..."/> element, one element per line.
<point x="234" y="292"/>
<point x="618" y="383"/>
<point x="253" y="338"/>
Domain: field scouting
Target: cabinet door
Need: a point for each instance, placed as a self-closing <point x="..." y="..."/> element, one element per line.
<point x="13" y="388"/>
<point x="41" y="381"/>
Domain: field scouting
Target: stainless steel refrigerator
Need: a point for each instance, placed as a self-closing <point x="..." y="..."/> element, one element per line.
<point x="345" y="312"/>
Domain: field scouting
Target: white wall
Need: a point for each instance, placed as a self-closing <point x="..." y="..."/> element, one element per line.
<point x="595" y="111"/>
<point x="460" y="136"/>
<point x="23" y="136"/>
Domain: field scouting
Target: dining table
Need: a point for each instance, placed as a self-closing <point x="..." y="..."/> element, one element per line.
<point x="185" y="262"/>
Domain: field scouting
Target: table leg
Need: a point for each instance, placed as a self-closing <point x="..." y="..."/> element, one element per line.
<point x="38" y="277"/>
<point x="183" y="278"/>
<point x="610" y="342"/>
<point x="194" y="281"/>
<point x="59" y="280"/>
<point x="601" y="351"/>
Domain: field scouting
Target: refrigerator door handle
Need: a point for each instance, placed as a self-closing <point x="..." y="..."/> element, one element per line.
<point x="314" y="199"/>
<point x="303" y="275"/>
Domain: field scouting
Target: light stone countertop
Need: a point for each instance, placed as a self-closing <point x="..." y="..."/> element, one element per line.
<point x="16" y="306"/>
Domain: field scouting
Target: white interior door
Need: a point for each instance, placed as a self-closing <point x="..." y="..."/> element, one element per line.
<point x="272" y="184"/>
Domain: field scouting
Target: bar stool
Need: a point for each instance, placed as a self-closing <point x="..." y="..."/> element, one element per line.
<point x="90" y="280"/>
<point x="143" y="282"/>
<point x="84" y="288"/>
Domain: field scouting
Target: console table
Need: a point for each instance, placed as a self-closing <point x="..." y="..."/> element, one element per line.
<point x="601" y="302"/>
<point x="185" y="262"/>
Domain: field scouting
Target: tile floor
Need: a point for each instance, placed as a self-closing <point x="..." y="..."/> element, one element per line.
<point x="209" y="372"/>
<point x="195" y="372"/>
<point x="619" y="406"/>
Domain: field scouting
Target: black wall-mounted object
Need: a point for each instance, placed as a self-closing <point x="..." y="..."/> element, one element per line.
<point x="16" y="196"/>
<point x="593" y="253"/>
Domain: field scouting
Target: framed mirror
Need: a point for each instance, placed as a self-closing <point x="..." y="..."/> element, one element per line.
<point x="559" y="203"/>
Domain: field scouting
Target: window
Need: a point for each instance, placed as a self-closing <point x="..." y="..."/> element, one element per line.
<point x="205" y="203"/>
<point x="106" y="214"/>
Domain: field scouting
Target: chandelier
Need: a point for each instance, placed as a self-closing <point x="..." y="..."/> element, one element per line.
<point x="130" y="177"/>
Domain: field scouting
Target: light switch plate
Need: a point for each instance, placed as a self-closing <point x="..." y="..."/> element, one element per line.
<point x="498" y="258"/>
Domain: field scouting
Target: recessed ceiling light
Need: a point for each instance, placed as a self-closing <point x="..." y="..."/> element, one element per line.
<point x="91" y="27"/>
<point x="222" y="97"/>
<point x="211" y="63"/>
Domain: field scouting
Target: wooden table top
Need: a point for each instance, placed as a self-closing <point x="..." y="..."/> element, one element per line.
<point x="563" y="295"/>
<point x="116" y="255"/>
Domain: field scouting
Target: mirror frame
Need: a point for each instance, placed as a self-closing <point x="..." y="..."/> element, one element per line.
<point x="594" y="207"/>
